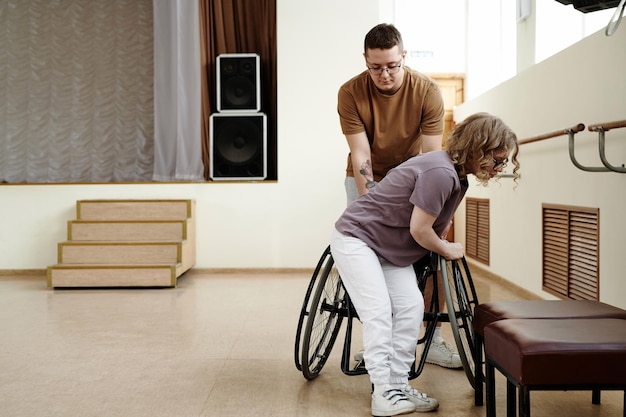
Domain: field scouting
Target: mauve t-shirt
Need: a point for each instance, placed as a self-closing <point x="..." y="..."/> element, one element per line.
<point x="381" y="218"/>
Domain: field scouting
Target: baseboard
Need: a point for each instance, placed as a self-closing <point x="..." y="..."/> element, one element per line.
<point x="522" y="292"/>
<point x="193" y="271"/>
<point x="24" y="272"/>
<point x="42" y="272"/>
<point x="250" y="271"/>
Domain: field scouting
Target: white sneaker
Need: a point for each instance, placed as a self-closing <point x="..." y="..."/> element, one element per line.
<point x="443" y="354"/>
<point x="391" y="402"/>
<point x="423" y="403"/>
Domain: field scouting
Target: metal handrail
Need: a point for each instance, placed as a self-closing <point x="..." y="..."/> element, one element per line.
<point x="605" y="127"/>
<point x="600" y="128"/>
<point x="575" y="129"/>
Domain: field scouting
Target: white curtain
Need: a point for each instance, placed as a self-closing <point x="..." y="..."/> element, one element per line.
<point x="177" y="94"/>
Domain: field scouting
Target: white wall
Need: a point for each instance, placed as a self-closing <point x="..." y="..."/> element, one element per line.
<point x="582" y="84"/>
<point x="285" y="224"/>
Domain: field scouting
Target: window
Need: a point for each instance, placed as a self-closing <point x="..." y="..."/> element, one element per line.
<point x="570" y="252"/>
<point x="477" y="229"/>
<point x="570" y="24"/>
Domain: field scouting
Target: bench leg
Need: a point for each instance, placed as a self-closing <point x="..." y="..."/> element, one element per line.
<point x="524" y="401"/>
<point x="510" y="399"/>
<point x="595" y="396"/>
<point x="478" y="368"/>
<point x="490" y="389"/>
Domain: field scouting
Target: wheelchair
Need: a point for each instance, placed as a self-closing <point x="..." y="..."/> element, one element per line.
<point x="327" y="305"/>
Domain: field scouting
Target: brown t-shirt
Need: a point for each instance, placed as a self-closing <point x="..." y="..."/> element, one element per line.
<point x="382" y="217"/>
<point x="393" y="123"/>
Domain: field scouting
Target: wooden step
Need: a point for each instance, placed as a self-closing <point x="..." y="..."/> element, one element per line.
<point x="126" y="243"/>
<point x="134" y="209"/>
<point x="126" y="253"/>
<point x="86" y="276"/>
<point x="127" y="230"/>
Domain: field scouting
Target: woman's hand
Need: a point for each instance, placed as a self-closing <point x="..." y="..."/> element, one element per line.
<point x="452" y="250"/>
<point x="422" y="231"/>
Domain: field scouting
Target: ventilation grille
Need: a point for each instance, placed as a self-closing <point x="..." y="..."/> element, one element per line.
<point x="477" y="229"/>
<point x="571" y="252"/>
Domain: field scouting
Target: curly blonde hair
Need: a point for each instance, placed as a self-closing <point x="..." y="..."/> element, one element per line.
<point x="473" y="142"/>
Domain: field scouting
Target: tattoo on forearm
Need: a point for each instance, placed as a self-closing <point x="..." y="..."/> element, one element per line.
<point x="367" y="172"/>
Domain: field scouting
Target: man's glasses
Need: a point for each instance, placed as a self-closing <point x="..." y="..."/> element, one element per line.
<point x="500" y="164"/>
<point x="392" y="69"/>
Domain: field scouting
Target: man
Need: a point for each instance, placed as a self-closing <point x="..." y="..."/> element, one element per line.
<point x="390" y="113"/>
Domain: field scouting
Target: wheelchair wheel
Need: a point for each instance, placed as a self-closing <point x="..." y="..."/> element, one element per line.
<point x="325" y="314"/>
<point x="306" y="304"/>
<point x="460" y="301"/>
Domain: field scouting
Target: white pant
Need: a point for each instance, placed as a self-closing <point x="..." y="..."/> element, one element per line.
<point x="389" y="304"/>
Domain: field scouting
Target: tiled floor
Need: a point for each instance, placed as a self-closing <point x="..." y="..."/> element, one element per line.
<point x="218" y="345"/>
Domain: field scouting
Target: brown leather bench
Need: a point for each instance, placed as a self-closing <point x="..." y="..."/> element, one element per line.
<point x="492" y="311"/>
<point x="554" y="354"/>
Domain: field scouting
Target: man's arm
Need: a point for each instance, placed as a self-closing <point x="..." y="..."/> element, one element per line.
<point x="431" y="143"/>
<point x="361" y="158"/>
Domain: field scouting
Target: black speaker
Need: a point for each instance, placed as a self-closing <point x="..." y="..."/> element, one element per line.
<point x="588" y="6"/>
<point x="238" y="83"/>
<point x="238" y="146"/>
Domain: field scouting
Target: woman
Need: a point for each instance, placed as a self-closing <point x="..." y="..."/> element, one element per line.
<point x="379" y="236"/>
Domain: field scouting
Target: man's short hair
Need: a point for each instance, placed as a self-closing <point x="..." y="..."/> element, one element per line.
<point x="383" y="36"/>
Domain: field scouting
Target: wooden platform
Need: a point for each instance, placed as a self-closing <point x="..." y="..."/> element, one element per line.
<point x="126" y="243"/>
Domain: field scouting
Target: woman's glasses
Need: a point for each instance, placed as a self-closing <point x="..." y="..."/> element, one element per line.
<point x="500" y="164"/>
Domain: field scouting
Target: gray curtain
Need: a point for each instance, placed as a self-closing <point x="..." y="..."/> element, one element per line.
<point x="77" y="93"/>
